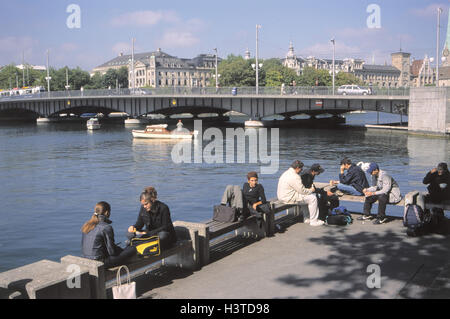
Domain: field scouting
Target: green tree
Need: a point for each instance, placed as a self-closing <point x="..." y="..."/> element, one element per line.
<point x="78" y="78"/>
<point x="343" y="78"/>
<point x="96" y="82"/>
<point x="10" y="77"/>
<point x="114" y="77"/>
<point x="313" y="77"/>
<point x="236" y="71"/>
<point x="274" y="78"/>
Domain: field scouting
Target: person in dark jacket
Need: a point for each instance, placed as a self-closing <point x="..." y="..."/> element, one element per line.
<point x="253" y="196"/>
<point x="352" y="179"/>
<point x="326" y="199"/>
<point x="97" y="241"/>
<point x="153" y="220"/>
<point x="438" y="181"/>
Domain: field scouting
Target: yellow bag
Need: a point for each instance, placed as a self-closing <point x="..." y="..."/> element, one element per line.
<point x="147" y="246"/>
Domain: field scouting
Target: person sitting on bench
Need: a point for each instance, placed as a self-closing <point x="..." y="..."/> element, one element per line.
<point x="385" y="191"/>
<point x="254" y="197"/>
<point x="155" y="217"/>
<point x="326" y="199"/>
<point x="97" y="241"/>
<point x="291" y="191"/>
<point x="438" y="180"/>
<point x="352" y="179"/>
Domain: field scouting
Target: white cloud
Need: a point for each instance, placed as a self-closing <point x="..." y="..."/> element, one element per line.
<point x="12" y="48"/>
<point x="325" y="50"/>
<point x="125" y="48"/>
<point x="144" y="18"/>
<point x="69" y="47"/>
<point x="178" y="39"/>
<point x="429" y="11"/>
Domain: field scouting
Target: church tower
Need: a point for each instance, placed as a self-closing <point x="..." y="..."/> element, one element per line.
<point x="446" y="53"/>
<point x="291" y="60"/>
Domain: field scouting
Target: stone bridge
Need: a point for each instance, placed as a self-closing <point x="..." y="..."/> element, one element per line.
<point x="141" y="102"/>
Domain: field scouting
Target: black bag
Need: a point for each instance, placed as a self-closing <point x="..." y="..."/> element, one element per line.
<point x="438" y="222"/>
<point x="265" y="208"/>
<point x="149" y="246"/>
<point x="338" y="220"/>
<point x="225" y="214"/>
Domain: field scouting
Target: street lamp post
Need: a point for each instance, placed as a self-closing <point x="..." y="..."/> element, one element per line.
<point x="437" y="45"/>
<point x="132" y="65"/>
<point x="67" y="79"/>
<point x="256" y="60"/>
<point x="48" y="78"/>
<point x="334" y="69"/>
<point x="217" y="76"/>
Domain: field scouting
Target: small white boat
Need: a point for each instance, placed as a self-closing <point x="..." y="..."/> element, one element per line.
<point x="253" y="123"/>
<point x="93" y="124"/>
<point x="160" y="131"/>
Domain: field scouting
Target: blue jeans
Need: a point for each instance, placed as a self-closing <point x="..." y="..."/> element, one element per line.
<point x="348" y="190"/>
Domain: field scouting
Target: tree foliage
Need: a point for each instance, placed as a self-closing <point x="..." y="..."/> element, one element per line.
<point x="11" y="77"/>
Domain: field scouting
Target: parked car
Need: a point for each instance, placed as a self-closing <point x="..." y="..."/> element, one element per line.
<point x="353" y="90"/>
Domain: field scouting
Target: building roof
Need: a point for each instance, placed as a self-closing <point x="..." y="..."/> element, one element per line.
<point x="379" y="68"/>
<point x="162" y="60"/>
<point x="123" y="60"/>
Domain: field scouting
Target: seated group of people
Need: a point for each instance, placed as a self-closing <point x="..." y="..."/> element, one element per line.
<point x="153" y="220"/>
<point x="295" y="186"/>
<point x="372" y="182"/>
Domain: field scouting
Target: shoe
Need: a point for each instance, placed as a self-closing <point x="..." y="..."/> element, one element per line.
<point x="380" y="221"/>
<point x="307" y="221"/>
<point x="317" y="223"/>
<point x="339" y="193"/>
<point x="365" y="217"/>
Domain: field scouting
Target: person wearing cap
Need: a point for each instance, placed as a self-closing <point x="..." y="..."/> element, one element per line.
<point x="352" y="179"/>
<point x="438" y="181"/>
<point x="291" y="191"/>
<point x="326" y="199"/>
<point x="385" y="190"/>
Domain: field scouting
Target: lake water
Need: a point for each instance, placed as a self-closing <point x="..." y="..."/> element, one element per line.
<point x="51" y="177"/>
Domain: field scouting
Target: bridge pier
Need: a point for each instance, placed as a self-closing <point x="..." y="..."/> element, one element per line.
<point x="44" y="120"/>
<point x="429" y="110"/>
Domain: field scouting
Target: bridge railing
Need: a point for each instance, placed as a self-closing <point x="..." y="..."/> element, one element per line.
<point x="186" y="91"/>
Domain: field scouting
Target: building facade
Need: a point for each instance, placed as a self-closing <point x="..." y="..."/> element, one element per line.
<point x="159" y="69"/>
<point x="400" y="74"/>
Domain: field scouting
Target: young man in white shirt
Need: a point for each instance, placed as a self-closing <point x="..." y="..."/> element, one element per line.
<point x="291" y="191"/>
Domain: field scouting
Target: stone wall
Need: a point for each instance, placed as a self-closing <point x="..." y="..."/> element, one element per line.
<point x="429" y="110"/>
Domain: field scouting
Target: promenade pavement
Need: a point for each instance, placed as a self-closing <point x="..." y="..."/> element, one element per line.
<point x="317" y="262"/>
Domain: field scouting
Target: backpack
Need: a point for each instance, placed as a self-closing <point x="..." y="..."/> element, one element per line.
<point x="413" y="215"/>
<point x="438" y="222"/>
<point x="417" y="220"/>
<point x="339" y="216"/>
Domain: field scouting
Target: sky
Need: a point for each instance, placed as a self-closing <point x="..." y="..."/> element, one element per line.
<point x="187" y="28"/>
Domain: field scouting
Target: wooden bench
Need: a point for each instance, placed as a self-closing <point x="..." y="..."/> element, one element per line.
<point x="210" y="230"/>
<point x="184" y="254"/>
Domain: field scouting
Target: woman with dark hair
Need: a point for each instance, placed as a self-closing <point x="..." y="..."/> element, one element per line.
<point x="438" y="181"/>
<point x="254" y="197"/>
<point x="154" y="216"/>
<point x="97" y="241"/>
